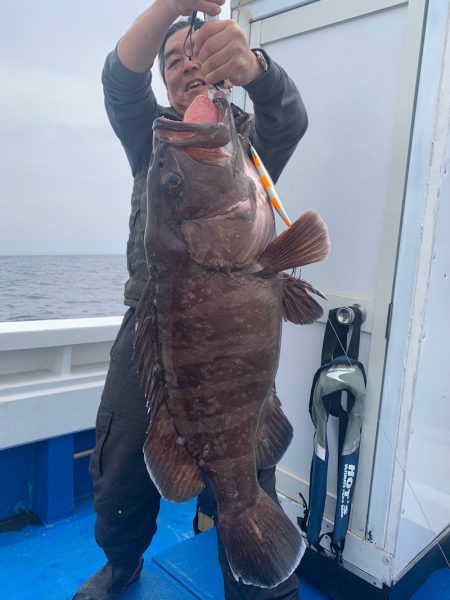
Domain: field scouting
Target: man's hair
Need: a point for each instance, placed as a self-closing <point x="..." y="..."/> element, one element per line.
<point x="181" y="24"/>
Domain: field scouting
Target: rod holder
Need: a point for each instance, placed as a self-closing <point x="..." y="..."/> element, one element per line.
<point x="346" y="314"/>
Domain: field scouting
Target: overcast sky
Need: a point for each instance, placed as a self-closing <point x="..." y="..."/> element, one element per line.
<point x="65" y="183"/>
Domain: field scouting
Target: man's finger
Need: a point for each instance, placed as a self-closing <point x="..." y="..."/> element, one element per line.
<point x="216" y="61"/>
<point x="208" y="30"/>
<point x="211" y="7"/>
<point x="211" y="38"/>
<point x="218" y="74"/>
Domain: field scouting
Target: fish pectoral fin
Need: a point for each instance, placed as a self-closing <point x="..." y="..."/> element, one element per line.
<point x="306" y="241"/>
<point x="172" y="469"/>
<point x="274" y="433"/>
<point x="298" y="306"/>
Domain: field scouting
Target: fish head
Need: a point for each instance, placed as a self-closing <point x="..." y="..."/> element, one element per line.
<point x="200" y="194"/>
<point x="197" y="166"/>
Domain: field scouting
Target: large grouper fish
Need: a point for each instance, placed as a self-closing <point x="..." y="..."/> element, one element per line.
<point x="208" y="332"/>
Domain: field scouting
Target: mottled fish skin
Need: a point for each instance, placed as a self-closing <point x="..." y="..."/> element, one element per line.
<point x="208" y="340"/>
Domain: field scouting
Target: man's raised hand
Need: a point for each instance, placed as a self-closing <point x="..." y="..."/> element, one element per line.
<point x="210" y="7"/>
<point x="223" y="50"/>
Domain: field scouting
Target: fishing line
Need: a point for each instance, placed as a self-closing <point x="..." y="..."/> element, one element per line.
<point x="189" y="36"/>
<point x="403" y="469"/>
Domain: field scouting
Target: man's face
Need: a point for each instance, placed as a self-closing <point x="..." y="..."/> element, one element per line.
<point x="183" y="77"/>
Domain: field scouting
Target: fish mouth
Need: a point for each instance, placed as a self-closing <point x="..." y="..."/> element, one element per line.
<point x="181" y="134"/>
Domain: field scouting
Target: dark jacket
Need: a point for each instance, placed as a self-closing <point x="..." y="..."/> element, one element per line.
<point x="275" y="129"/>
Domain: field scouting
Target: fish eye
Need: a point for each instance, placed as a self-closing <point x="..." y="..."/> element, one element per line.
<point x="172" y="182"/>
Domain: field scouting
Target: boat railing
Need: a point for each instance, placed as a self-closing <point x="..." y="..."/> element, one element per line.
<point x="51" y="376"/>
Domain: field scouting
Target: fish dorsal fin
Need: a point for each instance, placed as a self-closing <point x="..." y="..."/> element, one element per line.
<point x="145" y="349"/>
<point x="298" y="306"/>
<point x="305" y="242"/>
<point x="172" y="469"/>
<point x="274" y="433"/>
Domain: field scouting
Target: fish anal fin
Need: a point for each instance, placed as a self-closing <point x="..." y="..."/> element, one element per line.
<point x="274" y="433"/>
<point x="298" y="306"/>
<point x="171" y="467"/>
<point x="306" y="241"/>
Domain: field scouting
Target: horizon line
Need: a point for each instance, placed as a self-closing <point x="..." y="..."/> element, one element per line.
<point x="63" y="254"/>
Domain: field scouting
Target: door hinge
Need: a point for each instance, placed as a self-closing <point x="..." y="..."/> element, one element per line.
<point x="389" y="320"/>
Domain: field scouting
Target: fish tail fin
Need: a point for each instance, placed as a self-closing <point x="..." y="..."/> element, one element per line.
<point x="263" y="546"/>
<point x="307" y="241"/>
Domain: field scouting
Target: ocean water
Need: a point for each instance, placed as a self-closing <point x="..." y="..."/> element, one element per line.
<point x="61" y="287"/>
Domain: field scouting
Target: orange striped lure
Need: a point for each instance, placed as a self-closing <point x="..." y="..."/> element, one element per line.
<point x="269" y="186"/>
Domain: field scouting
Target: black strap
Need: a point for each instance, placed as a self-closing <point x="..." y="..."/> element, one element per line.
<point x="302" y="522"/>
<point x="353" y="347"/>
<point x="336" y="548"/>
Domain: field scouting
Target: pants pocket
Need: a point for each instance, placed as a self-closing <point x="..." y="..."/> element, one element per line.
<point x="103" y="427"/>
<point x="126" y="318"/>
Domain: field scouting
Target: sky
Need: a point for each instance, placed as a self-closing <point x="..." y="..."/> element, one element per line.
<point x="65" y="183"/>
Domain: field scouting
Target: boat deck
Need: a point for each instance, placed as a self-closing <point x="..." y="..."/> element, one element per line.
<point x="50" y="562"/>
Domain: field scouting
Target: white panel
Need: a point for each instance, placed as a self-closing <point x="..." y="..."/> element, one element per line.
<point x="42" y="414"/>
<point x="322" y="14"/>
<point x="328" y="11"/>
<point x="87" y="354"/>
<point x="341" y="167"/>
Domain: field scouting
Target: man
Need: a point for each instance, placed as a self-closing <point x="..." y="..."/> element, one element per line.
<point x="126" y="500"/>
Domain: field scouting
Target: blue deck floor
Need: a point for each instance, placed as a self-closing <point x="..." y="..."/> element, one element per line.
<point x="51" y="562"/>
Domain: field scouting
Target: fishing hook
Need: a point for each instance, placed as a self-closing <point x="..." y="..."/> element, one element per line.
<point x="193" y="18"/>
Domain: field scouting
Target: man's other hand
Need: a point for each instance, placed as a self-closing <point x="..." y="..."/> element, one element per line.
<point x="210" y="7"/>
<point x="222" y="49"/>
